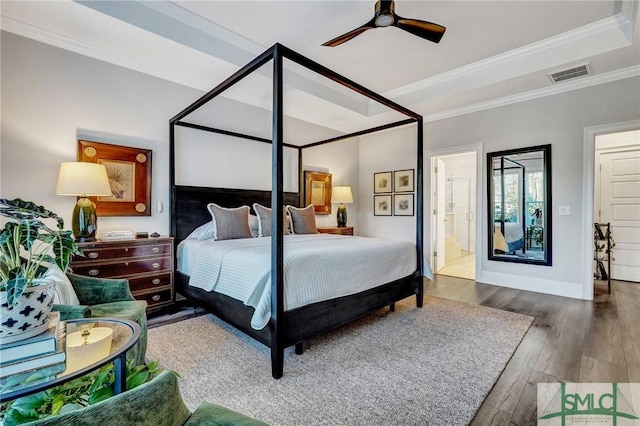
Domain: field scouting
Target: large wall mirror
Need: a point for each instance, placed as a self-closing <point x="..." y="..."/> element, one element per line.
<point x="519" y="200"/>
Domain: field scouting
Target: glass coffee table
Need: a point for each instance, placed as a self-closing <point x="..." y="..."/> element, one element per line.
<point x="91" y="343"/>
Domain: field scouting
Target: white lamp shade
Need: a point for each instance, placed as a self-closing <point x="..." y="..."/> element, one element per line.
<point x="341" y="194"/>
<point x="80" y="178"/>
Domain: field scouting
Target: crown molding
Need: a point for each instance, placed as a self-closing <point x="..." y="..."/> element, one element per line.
<point x="592" y="39"/>
<point x="568" y="86"/>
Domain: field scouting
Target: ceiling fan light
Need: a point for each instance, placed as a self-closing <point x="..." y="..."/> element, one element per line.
<point x="384" y="20"/>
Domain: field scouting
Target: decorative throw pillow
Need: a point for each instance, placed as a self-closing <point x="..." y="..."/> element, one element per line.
<point x="230" y="224"/>
<point x="64" y="293"/>
<point x="203" y="232"/>
<point x="303" y="221"/>
<point x="264" y="220"/>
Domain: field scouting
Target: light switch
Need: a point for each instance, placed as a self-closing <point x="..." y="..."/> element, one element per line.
<point x="564" y="210"/>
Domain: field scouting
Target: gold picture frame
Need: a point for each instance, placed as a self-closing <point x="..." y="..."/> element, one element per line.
<point x="317" y="191"/>
<point x="129" y="172"/>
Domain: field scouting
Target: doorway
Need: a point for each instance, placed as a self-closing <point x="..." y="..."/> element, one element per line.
<point x="617" y="199"/>
<point x="454" y="201"/>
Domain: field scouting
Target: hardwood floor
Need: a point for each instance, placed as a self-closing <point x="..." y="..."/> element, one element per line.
<point x="570" y="340"/>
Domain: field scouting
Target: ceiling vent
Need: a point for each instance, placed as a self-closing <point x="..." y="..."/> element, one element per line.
<point x="569" y="73"/>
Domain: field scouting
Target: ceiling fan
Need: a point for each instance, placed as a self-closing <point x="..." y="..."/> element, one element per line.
<point x="385" y="16"/>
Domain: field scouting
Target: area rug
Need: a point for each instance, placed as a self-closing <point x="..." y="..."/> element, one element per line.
<point x="433" y="365"/>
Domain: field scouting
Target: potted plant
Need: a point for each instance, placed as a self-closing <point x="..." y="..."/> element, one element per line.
<point x="76" y="394"/>
<point x="28" y="248"/>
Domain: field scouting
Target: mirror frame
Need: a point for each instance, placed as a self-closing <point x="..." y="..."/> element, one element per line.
<point x="547" y="213"/>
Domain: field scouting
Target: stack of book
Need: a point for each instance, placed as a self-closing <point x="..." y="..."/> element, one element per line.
<point x="36" y="358"/>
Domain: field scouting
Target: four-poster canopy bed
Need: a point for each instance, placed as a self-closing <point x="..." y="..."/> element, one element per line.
<point x="285" y="327"/>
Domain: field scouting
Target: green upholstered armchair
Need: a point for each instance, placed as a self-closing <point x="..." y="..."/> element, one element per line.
<point x="108" y="297"/>
<point x="155" y="403"/>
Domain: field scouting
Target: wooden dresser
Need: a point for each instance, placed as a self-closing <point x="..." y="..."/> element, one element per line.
<point x="146" y="262"/>
<point x="345" y="230"/>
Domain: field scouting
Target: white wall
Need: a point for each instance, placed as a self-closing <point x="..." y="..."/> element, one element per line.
<point x="385" y="151"/>
<point x="560" y="121"/>
<point x="51" y="98"/>
<point x="339" y="158"/>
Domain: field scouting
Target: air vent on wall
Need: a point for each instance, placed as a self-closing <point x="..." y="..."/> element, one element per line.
<point x="569" y="73"/>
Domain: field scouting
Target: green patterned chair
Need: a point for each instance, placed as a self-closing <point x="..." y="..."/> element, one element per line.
<point x="155" y="403"/>
<point x="108" y="297"/>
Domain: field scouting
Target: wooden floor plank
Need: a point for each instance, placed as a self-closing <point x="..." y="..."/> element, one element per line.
<point x="562" y="353"/>
<point x="489" y="416"/>
<point x="508" y="389"/>
<point x="500" y="297"/>
<point x="526" y="411"/>
<point x="593" y="370"/>
<point x="546" y="309"/>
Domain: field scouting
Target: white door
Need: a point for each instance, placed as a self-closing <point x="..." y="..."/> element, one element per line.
<point x="620" y="205"/>
<point x="440" y="209"/>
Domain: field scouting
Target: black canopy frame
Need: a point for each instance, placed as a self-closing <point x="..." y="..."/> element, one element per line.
<point x="277" y="53"/>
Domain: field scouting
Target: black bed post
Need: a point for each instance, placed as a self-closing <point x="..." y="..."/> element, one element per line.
<point x="277" y="238"/>
<point x="419" y="211"/>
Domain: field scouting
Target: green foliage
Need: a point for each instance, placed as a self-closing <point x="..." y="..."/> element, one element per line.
<point x="78" y="393"/>
<point x="28" y="245"/>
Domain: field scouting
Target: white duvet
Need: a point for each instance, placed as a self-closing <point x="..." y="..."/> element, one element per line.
<point x="317" y="267"/>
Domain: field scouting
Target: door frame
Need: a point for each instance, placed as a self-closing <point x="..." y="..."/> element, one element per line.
<point x="588" y="193"/>
<point x="480" y="207"/>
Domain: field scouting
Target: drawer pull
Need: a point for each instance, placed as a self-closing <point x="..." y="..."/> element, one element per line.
<point x="155" y="281"/>
<point x="155" y="297"/>
<point x="155" y="250"/>
<point x="94" y="272"/>
<point x="93" y="255"/>
<point x="155" y="265"/>
<point x="126" y="263"/>
<point x="126" y="249"/>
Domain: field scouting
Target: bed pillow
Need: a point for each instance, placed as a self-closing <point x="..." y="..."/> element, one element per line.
<point x="264" y="220"/>
<point x="254" y="224"/>
<point x="203" y="232"/>
<point x="230" y="224"/>
<point x="303" y="221"/>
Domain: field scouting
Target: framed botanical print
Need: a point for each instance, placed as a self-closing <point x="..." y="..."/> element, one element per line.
<point x="403" y="204"/>
<point x="317" y="191"/>
<point x="129" y="173"/>
<point x="403" y="181"/>
<point x="382" y="205"/>
<point x="382" y="182"/>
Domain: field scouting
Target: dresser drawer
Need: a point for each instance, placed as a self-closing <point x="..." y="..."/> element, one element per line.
<point x="102" y="253"/>
<point x="147" y="263"/>
<point x="150" y="283"/>
<point x="157" y="298"/>
<point x="124" y="268"/>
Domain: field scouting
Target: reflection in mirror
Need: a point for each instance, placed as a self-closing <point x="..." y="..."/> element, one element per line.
<point x="519" y="189"/>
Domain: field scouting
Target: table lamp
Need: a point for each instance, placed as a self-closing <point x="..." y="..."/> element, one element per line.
<point x="83" y="180"/>
<point x="342" y="195"/>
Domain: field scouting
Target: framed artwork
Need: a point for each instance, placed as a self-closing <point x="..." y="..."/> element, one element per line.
<point x="403" y="204"/>
<point x="403" y="181"/>
<point x="317" y="191"/>
<point x="382" y="183"/>
<point x="382" y="205"/>
<point x="129" y="173"/>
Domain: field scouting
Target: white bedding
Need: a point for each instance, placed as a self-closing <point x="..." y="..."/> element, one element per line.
<point x="317" y="267"/>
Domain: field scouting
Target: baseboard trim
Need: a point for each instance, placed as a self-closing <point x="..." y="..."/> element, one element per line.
<point x="540" y="285"/>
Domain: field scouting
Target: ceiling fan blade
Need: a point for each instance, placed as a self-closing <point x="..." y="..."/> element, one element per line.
<point x="351" y="34"/>
<point x="427" y="30"/>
